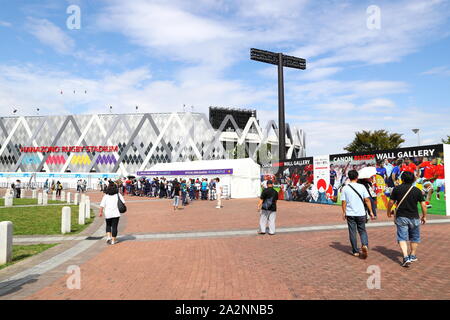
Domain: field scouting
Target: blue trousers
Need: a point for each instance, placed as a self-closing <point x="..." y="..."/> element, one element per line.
<point x="357" y="224"/>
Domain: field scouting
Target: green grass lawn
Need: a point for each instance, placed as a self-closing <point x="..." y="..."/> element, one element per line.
<point x="41" y="220"/>
<point x="26" y="201"/>
<point x="438" y="206"/>
<point x="25" y="251"/>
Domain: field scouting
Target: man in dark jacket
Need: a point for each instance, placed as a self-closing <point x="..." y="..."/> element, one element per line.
<point x="268" y="206"/>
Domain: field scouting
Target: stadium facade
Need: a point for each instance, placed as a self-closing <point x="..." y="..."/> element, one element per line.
<point x="126" y="143"/>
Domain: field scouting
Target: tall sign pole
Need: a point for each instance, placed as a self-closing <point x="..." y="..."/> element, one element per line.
<point x="281" y="61"/>
<point x="281" y="113"/>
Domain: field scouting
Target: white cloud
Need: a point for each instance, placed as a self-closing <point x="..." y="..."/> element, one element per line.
<point x="377" y="104"/>
<point x="50" y="34"/>
<point x="168" y="30"/>
<point x="28" y="87"/>
<point x="5" y="24"/>
<point x="442" y="70"/>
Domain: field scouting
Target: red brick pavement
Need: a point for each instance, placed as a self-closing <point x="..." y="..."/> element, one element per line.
<point x="313" y="265"/>
<point x="308" y="265"/>
<point x="158" y="216"/>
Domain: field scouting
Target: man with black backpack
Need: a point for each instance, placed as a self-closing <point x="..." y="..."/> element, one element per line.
<point x="268" y="206"/>
<point x="355" y="207"/>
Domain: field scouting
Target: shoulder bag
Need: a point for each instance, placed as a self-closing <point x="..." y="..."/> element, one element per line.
<point x="401" y="201"/>
<point x="120" y="205"/>
<point x="364" y="203"/>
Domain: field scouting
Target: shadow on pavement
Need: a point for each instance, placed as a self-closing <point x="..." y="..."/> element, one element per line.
<point x="126" y="238"/>
<point x="9" y="287"/>
<point x="339" y="246"/>
<point x="95" y="238"/>
<point x="394" y="255"/>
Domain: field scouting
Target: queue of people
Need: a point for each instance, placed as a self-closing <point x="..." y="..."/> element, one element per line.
<point x="161" y="187"/>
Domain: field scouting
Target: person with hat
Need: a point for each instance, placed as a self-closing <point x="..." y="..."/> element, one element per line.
<point x="267" y="206"/>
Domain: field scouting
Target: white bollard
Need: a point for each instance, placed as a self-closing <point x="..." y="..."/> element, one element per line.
<point x="54" y="195"/>
<point x="68" y="197"/>
<point x="45" y="198"/>
<point x="22" y="193"/>
<point x="88" y="208"/>
<point x="63" y="195"/>
<point x="75" y="200"/>
<point x="6" y="241"/>
<point x="40" y="198"/>
<point x="65" y="220"/>
<point x="8" y="201"/>
<point x="83" y="197"/>
<point x="34" y="194"/>
<point x="81" y="213"/>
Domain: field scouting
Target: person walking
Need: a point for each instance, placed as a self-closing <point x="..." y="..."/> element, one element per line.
<point x="59" y="188"/>
<point x="367" y="183"/>
<point x="355" y="199"/>
<point x="176" y="194"/>
<point x="109" y="207"/>
<point x="267" y="206"/>
<point x="18" y="187"/>
<point x="406" y="196"/>
<point x="219" y="192"/>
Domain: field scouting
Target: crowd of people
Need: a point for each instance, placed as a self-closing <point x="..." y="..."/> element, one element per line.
<point x="184" y="190"/>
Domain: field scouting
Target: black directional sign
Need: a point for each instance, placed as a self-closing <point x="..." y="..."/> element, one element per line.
<point x="273" y="58"/>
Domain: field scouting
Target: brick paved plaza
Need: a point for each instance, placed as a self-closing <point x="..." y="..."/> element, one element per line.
<point x="304" y="264"/>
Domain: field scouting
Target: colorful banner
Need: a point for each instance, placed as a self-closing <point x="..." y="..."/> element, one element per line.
<point x="426" y="162"/>
<point x="186" y="172"/>
<point x="65" y="149"/>
<point x="320" y="179"/>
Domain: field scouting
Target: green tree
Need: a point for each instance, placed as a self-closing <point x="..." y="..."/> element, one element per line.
<point x="446" y="140"/>
<point x="365" y="141"/>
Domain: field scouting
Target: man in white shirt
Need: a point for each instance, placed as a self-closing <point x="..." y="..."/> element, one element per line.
<point x="353" y="197"/>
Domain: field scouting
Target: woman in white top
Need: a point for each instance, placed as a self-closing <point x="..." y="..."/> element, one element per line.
<point x="111" y="210"/>
<point x="219" y="192"/>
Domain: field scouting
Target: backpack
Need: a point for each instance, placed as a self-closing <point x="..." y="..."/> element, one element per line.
<point x="268" y="202"/>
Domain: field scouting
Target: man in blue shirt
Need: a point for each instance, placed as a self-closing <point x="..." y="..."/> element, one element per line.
<point x="353" y="197"/>
<point x="204" y="189"/>
<point x="381" y="170"/>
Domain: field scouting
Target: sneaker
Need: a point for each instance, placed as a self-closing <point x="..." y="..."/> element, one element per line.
<point x="365" y="252"/>
<point x="412" y="258"/>
<point x="429" y="206"/>
<point x="355" y="254"/>
<point x="406" y="262"/>
<point x="108" y="240"/>
<point x="259" y="232"/>
<point x="218" y="207"/>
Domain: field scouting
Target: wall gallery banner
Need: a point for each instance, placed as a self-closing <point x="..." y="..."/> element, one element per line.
<point x="320" y="179"/>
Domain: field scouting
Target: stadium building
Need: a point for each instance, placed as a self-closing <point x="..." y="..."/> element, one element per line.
<point x="124" y="144"/>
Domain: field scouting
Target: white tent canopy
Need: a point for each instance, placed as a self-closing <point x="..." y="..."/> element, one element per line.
<point x="243" y="183"/>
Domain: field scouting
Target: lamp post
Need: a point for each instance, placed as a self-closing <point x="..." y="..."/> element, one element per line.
<point x="281" y="61"/>
<point x="416" y="131"/>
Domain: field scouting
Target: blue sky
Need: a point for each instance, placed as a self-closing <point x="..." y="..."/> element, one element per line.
<point x="160" y="55"/>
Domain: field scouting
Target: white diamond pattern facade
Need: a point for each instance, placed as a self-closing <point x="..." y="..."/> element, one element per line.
<point x="142" y="139"/>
